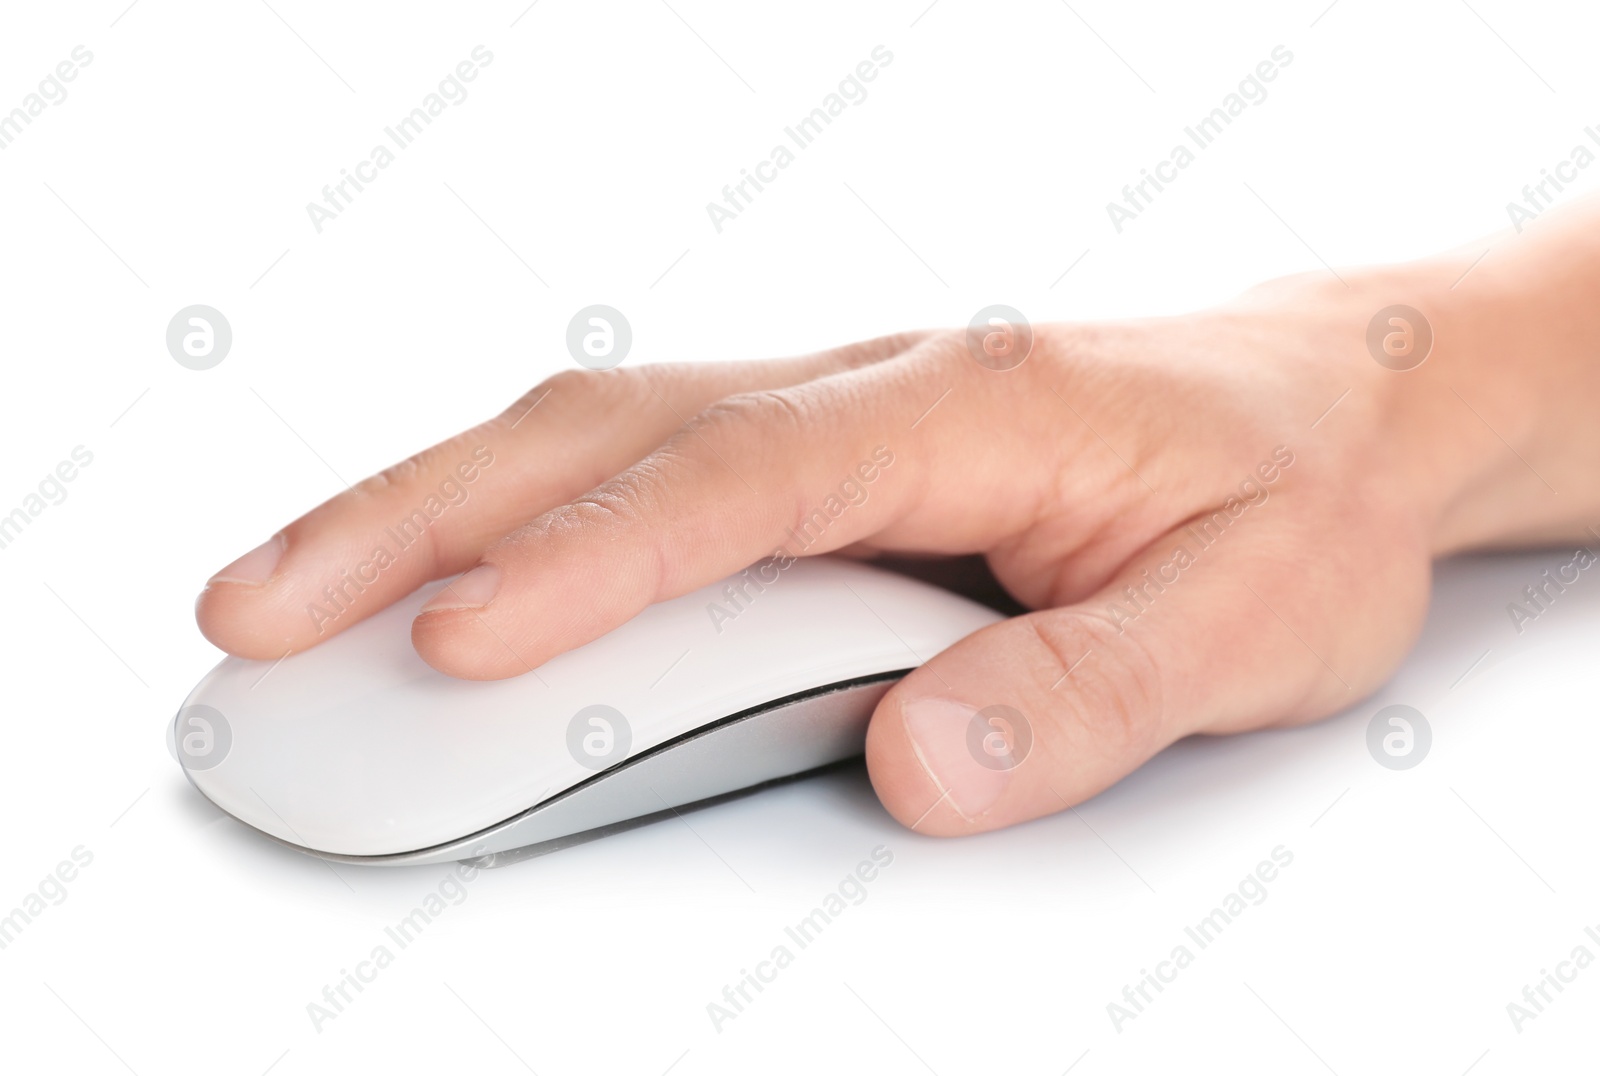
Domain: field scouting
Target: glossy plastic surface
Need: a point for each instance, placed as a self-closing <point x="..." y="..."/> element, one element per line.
<point x="358" y="748"/>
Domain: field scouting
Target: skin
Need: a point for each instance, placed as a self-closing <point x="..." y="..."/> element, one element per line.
<point x="1072" y="475"/>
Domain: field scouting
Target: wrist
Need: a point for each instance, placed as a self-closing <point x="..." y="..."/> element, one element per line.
<point x="1497" y="422"/>
<point x="1459" y="421"/>
<point x="1521" y="361"/>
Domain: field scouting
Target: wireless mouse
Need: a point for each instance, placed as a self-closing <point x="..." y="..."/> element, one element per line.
<point x="358" y="751"/>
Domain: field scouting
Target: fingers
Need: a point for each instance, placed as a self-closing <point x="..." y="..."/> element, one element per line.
<point x="1036" y="714"/>
<point x="434" y="514"/>
<point x="719" y="494"/>
<point x="807" y="469"/>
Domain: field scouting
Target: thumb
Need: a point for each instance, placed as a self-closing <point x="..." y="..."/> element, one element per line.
<point x="1035" y="714"/>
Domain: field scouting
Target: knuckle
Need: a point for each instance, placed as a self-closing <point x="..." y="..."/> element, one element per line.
<point x="944" y="348"/>
<point x="585" y="390"/>
<point x="1107" y="683"/>
<point x="412" y="472"/>
<point x="630" y="496"/>
<point x="626" y="502"/>
<point x="868" y="352"/>
<point x="735" y="416"/>
<point x="395" y="475"/>
<point x="936" y="355"/>
<point x="583" y="384"/>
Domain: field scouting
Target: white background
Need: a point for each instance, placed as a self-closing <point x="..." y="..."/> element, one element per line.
<point x="577" y="171"/>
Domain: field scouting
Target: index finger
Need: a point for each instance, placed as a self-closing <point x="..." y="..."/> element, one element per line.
<point x="434" y="514"/>
<point x="797" y="471"/>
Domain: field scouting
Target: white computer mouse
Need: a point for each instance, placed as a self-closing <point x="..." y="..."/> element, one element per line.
<point x="356" y="750"/>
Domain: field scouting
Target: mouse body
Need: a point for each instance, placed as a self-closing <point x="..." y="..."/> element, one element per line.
<point x="356" y="750"/>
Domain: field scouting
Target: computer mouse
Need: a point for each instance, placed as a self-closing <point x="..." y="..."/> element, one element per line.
<point x="358" y="751"/>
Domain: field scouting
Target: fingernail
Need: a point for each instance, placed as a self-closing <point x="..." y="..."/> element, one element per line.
<point x="943" y="737"/>
<point x="472" y="591"/>
<point x="255" y="567"/>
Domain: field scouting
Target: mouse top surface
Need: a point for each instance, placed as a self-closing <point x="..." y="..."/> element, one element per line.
<point x="357" y="747"/>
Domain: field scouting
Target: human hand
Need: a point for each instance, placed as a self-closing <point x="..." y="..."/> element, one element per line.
<point x="1221" y="521"/>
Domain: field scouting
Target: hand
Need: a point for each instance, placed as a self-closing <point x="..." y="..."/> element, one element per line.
<point x="1222" y="521"/>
